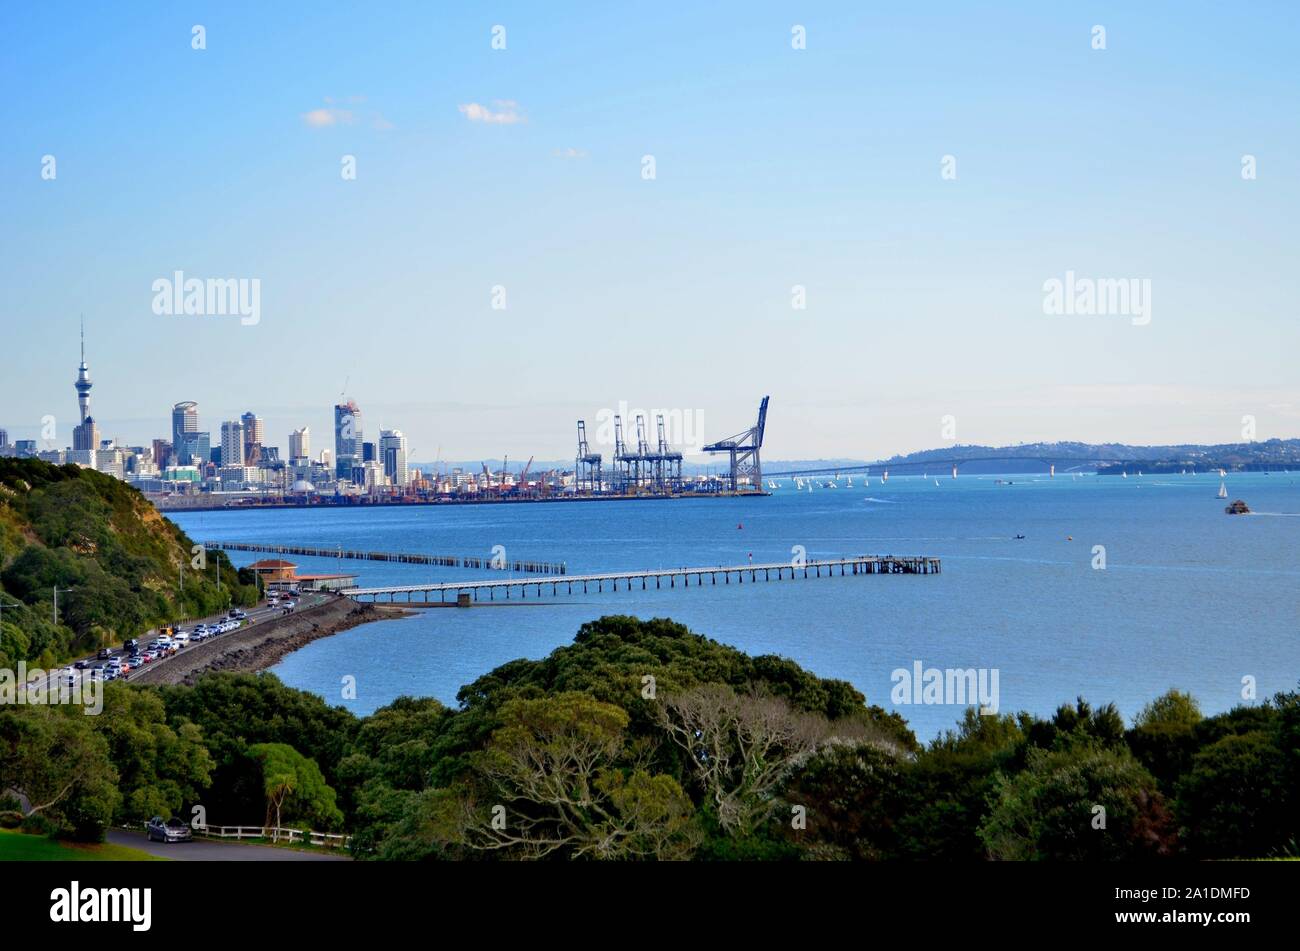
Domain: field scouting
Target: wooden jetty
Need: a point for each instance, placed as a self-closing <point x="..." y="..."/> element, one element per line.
<point x="408" y="558"/>
<point x="465" y="592"/>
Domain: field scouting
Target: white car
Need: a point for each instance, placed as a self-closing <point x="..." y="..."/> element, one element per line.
<point x="182" y="638"/>
<point x="165" y="640"/>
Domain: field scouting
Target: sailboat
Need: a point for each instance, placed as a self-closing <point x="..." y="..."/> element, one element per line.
<point x="1223" y="490"/>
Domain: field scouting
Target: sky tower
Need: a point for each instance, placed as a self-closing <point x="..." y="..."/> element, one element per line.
<point x="83" y="383"/>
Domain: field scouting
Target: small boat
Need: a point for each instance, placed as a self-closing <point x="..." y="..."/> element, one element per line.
<point x="936" y="481"/>
<point x="1019" y="537"/>
<point x="1223" y="491"/>
<point x="1238" y="508"/>
<point x="885" y="477"/>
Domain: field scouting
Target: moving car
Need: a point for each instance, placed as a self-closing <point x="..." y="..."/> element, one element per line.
<point x="169" y="830"/>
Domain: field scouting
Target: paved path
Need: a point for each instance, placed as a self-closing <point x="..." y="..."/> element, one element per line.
<point x="208" y="850"/>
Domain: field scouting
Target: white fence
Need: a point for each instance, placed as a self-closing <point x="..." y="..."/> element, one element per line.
<point x="275" y="834"/>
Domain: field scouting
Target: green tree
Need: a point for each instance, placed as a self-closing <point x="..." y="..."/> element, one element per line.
<point x="59" y="766"/>
<point x="1082" y="801"/>
<point x="1236" y="800"/>
<point x="1164" y="737"/>
<point x="294" y="787"/>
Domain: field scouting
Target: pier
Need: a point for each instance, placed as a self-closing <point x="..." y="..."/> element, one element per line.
<point x="408" y="558"/>
<point x="466" y="592"/>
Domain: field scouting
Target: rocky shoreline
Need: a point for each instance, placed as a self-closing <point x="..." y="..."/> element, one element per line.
<point x="260" y="646"/>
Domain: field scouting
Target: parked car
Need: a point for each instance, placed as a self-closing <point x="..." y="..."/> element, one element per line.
<point x="168" y="830"/>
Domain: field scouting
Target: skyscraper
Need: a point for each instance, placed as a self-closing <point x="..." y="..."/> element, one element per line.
<point x="232" y="443"/>
<point x="254" y="436"/>
<point x="188" y="444"/>
<point x="300" y="445"/>
<point x="347" y="439"/>
<point x="185" y="420"/>
<point x="392" y="453"/>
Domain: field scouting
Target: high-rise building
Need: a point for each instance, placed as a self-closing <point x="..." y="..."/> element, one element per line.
<point x="347" y="439"/>
<point x="4" y="439"/>
<point x="254" y="436"/>
<point x="392" y="453"/>
<point x="300" y="445"/>
<point x="185" y="421"/>
<point x="162" y="453"/>
<point x="232" y="444"/>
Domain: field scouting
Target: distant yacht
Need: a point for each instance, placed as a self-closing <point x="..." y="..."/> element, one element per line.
<point x="1223" y="490"/>
<point x="1124" y="474"/>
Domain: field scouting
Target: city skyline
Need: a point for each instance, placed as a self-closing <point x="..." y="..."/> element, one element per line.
<point x="922" y="238"/>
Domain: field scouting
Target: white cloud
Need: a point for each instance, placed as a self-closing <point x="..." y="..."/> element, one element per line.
<point x="570" y="153"/>
<point x="324" y="118"/>
<point x="502" y="112"/>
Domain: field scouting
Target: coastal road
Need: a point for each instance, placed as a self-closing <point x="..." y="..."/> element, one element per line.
<point x="208" y="850"/>
<point x="262" y="612"/>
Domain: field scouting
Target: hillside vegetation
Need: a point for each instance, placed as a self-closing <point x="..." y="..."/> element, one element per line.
<point x="82" y="530"/>
<point x="643" y="740"/>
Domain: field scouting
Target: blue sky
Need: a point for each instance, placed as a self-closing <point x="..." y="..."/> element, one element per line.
<point x="775" y="167"/>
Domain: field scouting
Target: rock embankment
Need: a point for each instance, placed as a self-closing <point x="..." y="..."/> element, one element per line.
<point x="261" y="645"/>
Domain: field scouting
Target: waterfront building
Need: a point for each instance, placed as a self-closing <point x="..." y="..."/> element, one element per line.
<point x="232" y="444"/>
<point x="254" y="436"/>
<point x="348" y="441"/>
<point x="392" y="449"/>
<point x="185" y="423"/>
<point x="300" y="446"/>
<point x="194" y="449"/>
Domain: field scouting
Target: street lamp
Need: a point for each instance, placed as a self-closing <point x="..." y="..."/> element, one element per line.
<point x="57" y="589"/>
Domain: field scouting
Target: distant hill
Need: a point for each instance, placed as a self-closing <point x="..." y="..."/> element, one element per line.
<point x="1030" y="457"/>
<point x="85" y="531"/>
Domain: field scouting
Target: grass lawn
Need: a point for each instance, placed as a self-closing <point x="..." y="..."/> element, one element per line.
<point x="17" y="847"/>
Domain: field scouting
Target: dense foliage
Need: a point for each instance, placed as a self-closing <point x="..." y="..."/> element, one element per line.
<point x="77" y="529"/>
<point x="643" y="740"/>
